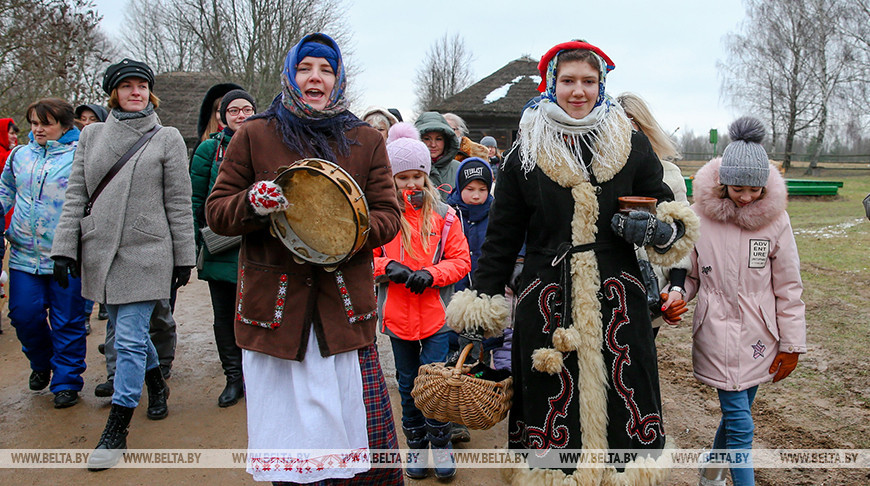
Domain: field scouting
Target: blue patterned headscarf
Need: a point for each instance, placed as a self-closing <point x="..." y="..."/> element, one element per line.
<point x="605" y="65"/>
<point x="304" y="130"/>
<point x="314" y="45"/>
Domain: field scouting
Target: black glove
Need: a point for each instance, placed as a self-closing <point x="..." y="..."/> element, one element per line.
<point x="64" y="267"/>
<point x="180" y="277"/>
<point x="514" y="282"/>
<point x="419" y="281"/>
<point x="397" y="272"/>
<point x="641" y="228"/>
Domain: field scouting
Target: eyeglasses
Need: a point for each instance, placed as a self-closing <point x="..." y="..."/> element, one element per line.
<point x="248" y="110"/>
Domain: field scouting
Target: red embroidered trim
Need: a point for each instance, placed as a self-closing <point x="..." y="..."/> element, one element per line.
<point x="348" y="305"/>
<point x="279" y="303"/>
<point x="353" y="458"/>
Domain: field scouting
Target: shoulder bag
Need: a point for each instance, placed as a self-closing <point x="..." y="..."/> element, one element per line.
<point x="214" y="242"/>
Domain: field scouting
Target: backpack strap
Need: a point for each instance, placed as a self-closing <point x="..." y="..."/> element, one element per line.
<point x="10" y="157"/>
<point x="449" y="218"/>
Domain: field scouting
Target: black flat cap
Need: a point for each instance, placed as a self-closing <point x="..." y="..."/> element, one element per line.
<point x="125" y="69"/>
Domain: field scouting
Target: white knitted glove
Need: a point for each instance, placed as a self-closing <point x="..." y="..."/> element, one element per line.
<point x="267" y="197"/>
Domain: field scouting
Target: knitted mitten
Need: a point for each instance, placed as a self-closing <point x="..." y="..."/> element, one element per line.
<point x="267" y="197"/>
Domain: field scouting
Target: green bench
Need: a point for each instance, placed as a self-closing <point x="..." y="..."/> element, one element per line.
<point x="797" y="187"/>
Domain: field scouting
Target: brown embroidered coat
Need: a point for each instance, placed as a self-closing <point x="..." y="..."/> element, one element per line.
<point x="277" y="297"/>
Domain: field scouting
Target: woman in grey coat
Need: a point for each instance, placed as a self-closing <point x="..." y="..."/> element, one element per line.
<point x="136" y="242"/>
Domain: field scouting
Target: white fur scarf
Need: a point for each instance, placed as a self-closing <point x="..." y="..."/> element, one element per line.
<point x="546" y="131"/>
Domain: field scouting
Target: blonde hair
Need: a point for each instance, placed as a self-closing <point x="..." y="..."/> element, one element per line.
<point x="430" y="201"/>
<point x="636" y="109"/>
<point x="460" y="123"/>
<point x="114" y="102"/>
<point x="213" y="124"/>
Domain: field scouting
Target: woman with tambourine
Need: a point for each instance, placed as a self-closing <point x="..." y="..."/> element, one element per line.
<point x="307" y="332"/>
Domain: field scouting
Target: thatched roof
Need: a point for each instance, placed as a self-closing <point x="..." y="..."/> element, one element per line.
<point x="180" y="96"/>
<point x="503" y="92"/>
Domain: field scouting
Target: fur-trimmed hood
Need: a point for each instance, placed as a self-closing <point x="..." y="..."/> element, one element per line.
<point x="705" y="189"/>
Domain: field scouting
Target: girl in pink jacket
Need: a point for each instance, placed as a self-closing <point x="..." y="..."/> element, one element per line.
<point x="749" y="325"/>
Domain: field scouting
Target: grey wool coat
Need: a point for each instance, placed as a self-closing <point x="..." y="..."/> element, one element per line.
<point x="141" y="225"/>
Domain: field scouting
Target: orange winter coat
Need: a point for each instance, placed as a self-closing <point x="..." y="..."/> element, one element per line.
<point x="410" y="316"/>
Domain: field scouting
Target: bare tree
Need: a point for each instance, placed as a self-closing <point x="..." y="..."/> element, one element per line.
<point x="446" y="70"/>
<point x="155" y="34"/>
<point x="834" y="66"/>
<point x="769" y="68"/>
<point x="855" y="27"/>
<point x="804" y="66"/>
<point x="50" y="48"/>
<point x="242" y="40"/>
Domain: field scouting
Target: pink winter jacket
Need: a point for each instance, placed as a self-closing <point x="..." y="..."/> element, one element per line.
<point x="746" y="274"/>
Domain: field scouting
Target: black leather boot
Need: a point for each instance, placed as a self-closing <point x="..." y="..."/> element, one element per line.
<point x="158" y="393"/>
<point x="113" y="442"/>
<point x="106" y="389"/>
<point x="232" y="393"/>
<point x="231" y="361"/>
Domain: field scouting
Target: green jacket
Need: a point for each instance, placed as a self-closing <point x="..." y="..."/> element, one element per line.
<point x="203" y="172"/>
<point x="443" y="173"/>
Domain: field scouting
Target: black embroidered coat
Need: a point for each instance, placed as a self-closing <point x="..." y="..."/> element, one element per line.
<point x="603" y="369"/>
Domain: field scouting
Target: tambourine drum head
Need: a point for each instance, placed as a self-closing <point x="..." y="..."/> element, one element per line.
<point x="320" y="214"/>
<point x="328" y="218"/>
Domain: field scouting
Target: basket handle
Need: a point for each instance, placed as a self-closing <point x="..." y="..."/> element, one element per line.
<point x="463" y="355"/>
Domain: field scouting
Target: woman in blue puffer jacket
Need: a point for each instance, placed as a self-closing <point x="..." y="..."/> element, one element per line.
<point x="34" y="182"/>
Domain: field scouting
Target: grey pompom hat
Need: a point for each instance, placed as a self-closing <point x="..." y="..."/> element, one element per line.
<point x="745" y="162"/>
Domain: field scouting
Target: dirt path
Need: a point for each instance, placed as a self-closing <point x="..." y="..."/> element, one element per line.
<point x="29" y="421"/>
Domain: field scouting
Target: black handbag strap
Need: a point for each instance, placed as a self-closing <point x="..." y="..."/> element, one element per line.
<point x="118" y="165"/>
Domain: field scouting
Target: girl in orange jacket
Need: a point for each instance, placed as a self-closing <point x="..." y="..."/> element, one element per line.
<point x="416" y="272"/>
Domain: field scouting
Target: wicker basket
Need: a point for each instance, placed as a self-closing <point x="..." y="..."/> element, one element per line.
<point x="449" y="395"/>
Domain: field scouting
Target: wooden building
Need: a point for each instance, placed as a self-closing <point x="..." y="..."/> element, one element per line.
<point x="493" y="105"/>
<point x="180" y="96"/>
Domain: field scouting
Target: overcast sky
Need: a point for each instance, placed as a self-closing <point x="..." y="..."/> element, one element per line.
<point x="666" y="50"/>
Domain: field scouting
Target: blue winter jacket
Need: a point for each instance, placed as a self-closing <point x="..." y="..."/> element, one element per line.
<point x="34" y="182"/>
<point x="475" y="219"/>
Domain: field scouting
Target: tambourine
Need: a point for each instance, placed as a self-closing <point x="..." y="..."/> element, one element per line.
<point x="328" y="217"/>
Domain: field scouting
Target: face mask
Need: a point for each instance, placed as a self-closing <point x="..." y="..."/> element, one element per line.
<point x="414" y="198"/>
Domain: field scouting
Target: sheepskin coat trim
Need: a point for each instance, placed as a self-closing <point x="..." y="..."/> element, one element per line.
<point x="644" y="471"/>
<point x="608" y="348"/>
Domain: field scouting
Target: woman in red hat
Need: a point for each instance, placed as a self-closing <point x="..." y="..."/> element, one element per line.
<point x="584" y="359"/>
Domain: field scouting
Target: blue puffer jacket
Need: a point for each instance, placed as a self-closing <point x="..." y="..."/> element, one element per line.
<point x="475" y="219"/>
<point x="35" y="183"/>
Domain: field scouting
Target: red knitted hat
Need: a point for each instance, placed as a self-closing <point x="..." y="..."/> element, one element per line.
<point x="545" y="61"/>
